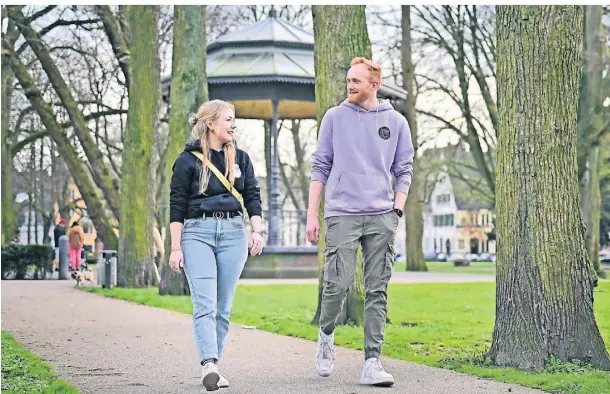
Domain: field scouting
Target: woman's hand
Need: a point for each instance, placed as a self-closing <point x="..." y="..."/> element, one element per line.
<point x="176" y="260"/>
<point x="256" y="243"/>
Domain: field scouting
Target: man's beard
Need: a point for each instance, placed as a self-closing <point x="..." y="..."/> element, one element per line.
<point x="357" y="98"/>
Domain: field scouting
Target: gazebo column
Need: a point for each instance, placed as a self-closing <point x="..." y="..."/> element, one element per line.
<point x="274" y="238"/>
<point x="268" y="145"/>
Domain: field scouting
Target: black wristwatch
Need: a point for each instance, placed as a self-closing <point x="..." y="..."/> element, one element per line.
<point x="398" y="212"/>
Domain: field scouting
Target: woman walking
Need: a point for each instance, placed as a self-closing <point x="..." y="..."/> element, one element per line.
<point x="76" y="239"/>
<point x="213" y="183"/>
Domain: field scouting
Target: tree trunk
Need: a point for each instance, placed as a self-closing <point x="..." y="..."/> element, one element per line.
<point x="30" y="209"/>
<point x="189" y="91"/>
<point x="38" y="198"/>
<point x="589" y="129"/>
<point x="340" y="35"/>
<point x="9" y="223"/>
<point x="591" y="203"/>
<point x="136" y="260"/>
<point x="544" y="284"/>
<point x="414" y="219"/>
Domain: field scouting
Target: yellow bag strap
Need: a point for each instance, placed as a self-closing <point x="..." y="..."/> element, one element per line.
<point x="224" y="180"/>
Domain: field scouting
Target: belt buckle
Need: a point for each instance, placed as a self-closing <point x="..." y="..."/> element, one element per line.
<point x="218" y="215"/>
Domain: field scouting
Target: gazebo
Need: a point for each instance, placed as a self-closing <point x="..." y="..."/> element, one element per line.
<point x="267" y="71"/>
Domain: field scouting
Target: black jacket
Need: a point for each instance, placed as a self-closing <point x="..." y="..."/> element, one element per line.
<point x="58" y="232"/>
<point x="185" y="201"/>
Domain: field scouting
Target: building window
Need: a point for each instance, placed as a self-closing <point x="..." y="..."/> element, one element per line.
<point x="461" y="243"/>
<point x="443" y="198"/>
<point x="443" y="220"/>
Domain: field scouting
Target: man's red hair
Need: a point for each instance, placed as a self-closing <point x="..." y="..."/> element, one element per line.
<point x="374" y="68"/>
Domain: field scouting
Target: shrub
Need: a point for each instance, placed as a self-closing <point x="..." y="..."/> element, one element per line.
<point x="18" y="260"/>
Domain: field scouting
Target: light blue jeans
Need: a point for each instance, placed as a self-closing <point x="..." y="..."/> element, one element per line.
<point x="215" y="252"/>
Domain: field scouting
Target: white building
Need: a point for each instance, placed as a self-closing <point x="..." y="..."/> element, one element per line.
<point x="440" y="228"/>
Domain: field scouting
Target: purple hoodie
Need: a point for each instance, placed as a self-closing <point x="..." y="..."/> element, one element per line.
<point x="357" y="154"/>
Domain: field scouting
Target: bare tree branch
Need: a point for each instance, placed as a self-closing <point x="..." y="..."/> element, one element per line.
<point x="116" y="37"/>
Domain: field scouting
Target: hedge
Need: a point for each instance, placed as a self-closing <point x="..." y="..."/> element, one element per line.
<point x="19" y="260"/>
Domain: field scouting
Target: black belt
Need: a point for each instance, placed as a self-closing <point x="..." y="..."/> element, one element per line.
<point x="221" y="215"/>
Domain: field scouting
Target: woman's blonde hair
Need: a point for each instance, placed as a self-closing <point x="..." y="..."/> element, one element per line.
<point x="200" y="131"/>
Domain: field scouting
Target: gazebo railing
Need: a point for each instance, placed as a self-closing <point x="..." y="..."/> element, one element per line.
<point x="292" y="228"/>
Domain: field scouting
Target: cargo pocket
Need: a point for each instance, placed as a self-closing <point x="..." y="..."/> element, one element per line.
<point x="388" y="267"/>
<point x="331" y="266"/>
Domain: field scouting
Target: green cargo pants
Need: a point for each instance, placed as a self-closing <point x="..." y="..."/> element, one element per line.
<point x="343" y="236"/>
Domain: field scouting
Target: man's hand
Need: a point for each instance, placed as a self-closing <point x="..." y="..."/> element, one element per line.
<point x="313" y="228"/>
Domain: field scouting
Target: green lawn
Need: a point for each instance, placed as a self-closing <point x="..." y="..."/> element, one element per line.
<point x="442" y="325"/>
<point x="475" y="267"/>
<point x="24" y="372"/>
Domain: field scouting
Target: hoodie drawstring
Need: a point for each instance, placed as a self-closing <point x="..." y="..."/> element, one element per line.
<point x="377" y="118"/>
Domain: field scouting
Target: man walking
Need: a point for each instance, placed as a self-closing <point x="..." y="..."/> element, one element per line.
<point x="363" y="143"/>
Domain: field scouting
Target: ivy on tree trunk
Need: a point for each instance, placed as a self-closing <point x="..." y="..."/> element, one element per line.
<point x="136" y="261"/>
<point x="544" y="284"/>
<point x="189" y="90"/>
<point x="9" y="223"/>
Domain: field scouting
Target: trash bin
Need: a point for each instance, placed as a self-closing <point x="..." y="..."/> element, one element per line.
<point x="107" y="269"/>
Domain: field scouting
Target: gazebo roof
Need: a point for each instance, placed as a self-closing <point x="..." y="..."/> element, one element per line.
<point x="271" y="30"/>
<point x="269" y="60"/>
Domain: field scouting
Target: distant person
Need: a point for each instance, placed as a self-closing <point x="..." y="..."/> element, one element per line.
<point x="60" y="229"/>
<point x="76" y="240"/>
<point x="212" y="184"/>
<point x="363" y="144"/>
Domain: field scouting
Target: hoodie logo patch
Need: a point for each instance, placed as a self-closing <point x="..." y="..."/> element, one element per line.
<point x="384" y="133"/>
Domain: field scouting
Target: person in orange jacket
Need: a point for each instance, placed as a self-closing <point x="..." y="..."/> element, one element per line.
<point x="76" y="239"/>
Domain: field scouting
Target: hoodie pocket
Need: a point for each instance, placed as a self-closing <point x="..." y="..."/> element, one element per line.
<point x="362" y="192"/>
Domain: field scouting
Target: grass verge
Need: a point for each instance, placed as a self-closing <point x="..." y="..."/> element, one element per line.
<point x="24" y="372"/>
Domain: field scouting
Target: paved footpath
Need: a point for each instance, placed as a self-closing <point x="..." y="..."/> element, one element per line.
<point x="105" y="345"/>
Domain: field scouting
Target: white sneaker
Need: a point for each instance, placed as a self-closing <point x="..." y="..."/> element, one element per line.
<point x="325" y="354"/>
<point x="210" y="376"/>
<point x="222" y="382"/>
<point x="374" y="374"/>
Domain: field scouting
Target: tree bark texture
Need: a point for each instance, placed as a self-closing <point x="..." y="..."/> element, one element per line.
<point x="340" y="35"/>
<point x="136" y="260"/>
<point x="414" y="219"/>
<point x="544" y="284"/>
<point x="9" y="223"/>
<point x="189" y="91"/>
